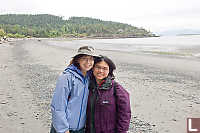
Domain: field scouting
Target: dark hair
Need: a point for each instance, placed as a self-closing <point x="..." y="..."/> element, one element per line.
<point x="110" y="63"/>
<point x="75" y="60"/>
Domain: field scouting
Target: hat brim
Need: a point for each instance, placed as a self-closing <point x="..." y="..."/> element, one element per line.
<point x="94" y="55"/>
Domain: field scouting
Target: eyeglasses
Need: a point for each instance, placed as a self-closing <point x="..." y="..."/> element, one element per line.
<point x="87" y="59"/>
<point x="101" y="68"/>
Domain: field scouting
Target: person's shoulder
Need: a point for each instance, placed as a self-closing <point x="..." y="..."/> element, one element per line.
<point x="66" y="75"/>
<point x="118" y="85"/>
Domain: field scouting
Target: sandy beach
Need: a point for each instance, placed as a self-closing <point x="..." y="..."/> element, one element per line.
<point x="164" y="90"/>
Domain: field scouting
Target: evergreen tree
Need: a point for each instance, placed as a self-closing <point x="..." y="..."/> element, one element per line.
<point x="45" y="25"/>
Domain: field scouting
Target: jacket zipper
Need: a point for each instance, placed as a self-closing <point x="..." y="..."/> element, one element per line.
<point x="81" y="104"/>
<point x="92" y="110"/>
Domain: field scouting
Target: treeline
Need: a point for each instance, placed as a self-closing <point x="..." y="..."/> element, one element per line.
<point x="44" y="25"/>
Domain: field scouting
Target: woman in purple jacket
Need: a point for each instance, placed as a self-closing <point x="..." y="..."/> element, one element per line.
<point x="108" y="109"/>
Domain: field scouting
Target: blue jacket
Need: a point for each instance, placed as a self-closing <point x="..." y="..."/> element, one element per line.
<point x="69" y="101"/>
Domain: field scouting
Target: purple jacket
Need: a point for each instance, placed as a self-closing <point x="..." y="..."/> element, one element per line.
<point x="106" y="111"/>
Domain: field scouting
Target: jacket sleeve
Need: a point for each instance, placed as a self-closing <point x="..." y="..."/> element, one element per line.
<point x="59" y="104"/>
<point x="123" y="109"/>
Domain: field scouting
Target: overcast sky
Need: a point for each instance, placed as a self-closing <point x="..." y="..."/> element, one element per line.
<point x="154" y="15"/>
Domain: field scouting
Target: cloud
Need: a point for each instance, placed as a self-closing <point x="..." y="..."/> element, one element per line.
<point x="154" y="15"/>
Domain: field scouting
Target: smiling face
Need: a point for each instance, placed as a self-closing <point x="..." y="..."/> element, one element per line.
<point x="86" y="62"/>
<point x="101" y="71"/>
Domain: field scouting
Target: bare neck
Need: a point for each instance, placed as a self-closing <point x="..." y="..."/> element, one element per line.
<point x="84" y="73"/>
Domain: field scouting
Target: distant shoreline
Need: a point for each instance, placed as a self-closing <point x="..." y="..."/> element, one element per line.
<point x="71" y="38"/>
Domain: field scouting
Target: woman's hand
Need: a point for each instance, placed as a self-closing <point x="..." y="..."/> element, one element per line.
<point x="67" y="132"/>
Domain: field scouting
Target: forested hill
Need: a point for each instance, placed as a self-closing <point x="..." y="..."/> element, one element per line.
<point x="45" y="25"/>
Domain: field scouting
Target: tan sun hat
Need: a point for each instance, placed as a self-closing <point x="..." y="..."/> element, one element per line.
<point x="87" y="50"/>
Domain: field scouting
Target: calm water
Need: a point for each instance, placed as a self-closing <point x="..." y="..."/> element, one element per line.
<point x="170" y="45"/>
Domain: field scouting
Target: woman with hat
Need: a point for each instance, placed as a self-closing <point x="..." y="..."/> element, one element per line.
<point x="69" y="101"/>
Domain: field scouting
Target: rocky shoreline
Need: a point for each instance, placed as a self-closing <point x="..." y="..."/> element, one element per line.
<point x="161" y="97"/>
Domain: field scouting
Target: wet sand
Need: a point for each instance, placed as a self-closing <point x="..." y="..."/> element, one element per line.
<point x="164" y="90"/>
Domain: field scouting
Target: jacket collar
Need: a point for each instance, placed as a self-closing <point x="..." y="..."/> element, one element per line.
<point x="77" y="72"/>
<point x="104" y="86"/>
